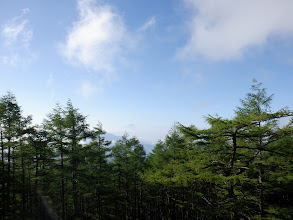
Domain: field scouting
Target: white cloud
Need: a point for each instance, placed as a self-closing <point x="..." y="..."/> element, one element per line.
<point x="225" y="29"/>
<point x="193" y="76"/>
<point x="16" y="31"/>
<point x="17" y="57"/>
<point x="148" y="24"/>
<point x="88" y="89"/>
<point x="12" y="32"/>
<point x="97" y="39"/>
<point x="130" y="128"/>
<point x="16" y="36"/>
<point x="11" y="60"/>
<point x="50" y="80"/>
<point x="51" y="87"/>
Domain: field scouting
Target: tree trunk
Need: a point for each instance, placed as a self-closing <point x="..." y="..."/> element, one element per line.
<point x="232" y="159"/>
<point x="23" y="186"/>
<point x="8" y="179"/>
<point x="260" y="180"/>
<point x="62" y="185"/>
<point x="74" y="189"/>
<point x="3" y="178"/>
<point x="13" y="181"/>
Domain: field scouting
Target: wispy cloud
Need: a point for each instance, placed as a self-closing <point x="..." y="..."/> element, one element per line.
<point x="225" y="29"/>
<point x="16" y="37"/>
<point x="50" y="80"/>
<point x="10" y="60"/>
<point x="98" y="39"/>
<point x="148" y="24"/>
<point x="51" y="87"/>
<point x="195" y="77"/>
<point x="87" y="89"/>
<point x="16" y="31"/>
<point x="130" y="126"/>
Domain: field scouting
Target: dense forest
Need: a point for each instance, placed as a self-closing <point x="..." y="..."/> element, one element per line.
<point x="238" y="168"/>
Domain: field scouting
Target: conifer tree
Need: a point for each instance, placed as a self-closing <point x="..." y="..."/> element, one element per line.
<point x="10" y="118"/>
<point x="128" y="160"/>
<point x="97" y="173"/>
<point x="234" y="155"/>
<point x="56" y="129"/>
<point x="77" y="130"/>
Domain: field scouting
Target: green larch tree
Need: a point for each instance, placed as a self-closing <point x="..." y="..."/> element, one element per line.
<point x="234" y="155"/>
<point x="10" y="118"/>
<point x="97" y="174"/>
<point x="77" y="130"/>
<point x="55" y="127"/>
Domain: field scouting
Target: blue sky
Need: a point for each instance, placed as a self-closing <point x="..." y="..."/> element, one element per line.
<point x="140" y="66"/>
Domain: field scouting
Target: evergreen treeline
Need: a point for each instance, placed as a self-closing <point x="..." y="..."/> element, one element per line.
<point x="239" y="168"/>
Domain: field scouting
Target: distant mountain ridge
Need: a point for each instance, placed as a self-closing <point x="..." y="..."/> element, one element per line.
<point x="147" y="146"/>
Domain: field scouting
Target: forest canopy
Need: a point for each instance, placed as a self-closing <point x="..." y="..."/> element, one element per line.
<point x="238" y="168"/>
